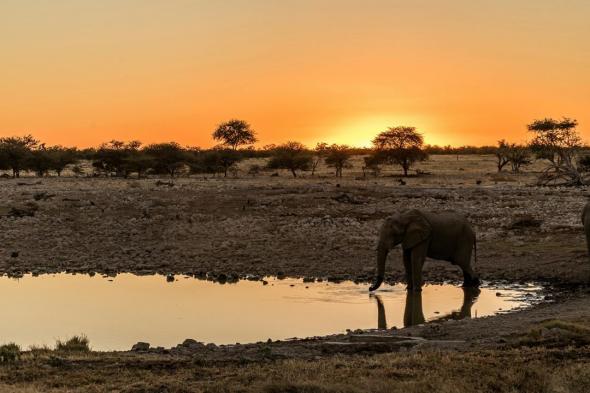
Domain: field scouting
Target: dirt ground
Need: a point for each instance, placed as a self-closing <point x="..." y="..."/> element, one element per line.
<point x="315" y="227"/>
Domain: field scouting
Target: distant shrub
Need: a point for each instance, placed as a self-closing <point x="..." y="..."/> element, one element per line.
<point x="254" y="170"/>
<point x="292" y="156"/>
<point x="9" y="353"/>
<point x="74" y="344"/>
<point x="338" y="157"/>
<point x="77" y="170"/>
<point x="372" y="165"/>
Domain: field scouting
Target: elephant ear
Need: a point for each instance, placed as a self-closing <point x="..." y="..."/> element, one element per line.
<point x="417" y="230"/>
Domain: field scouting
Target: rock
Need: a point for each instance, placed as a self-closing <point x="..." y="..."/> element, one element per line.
<point x="140" y="346"/>
<point x="27" y="210"/>
<point x="42" y="196"/>
<point x="347" y="198"/>
<point x="524" y="221"/>
<point x="222" y="277"/>
<point x="192" y="344"/>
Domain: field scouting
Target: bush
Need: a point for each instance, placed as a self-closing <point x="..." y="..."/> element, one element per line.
<point x="74" y="344"/>
<point x="9" y="353"/>
<point x="292" y="156"/>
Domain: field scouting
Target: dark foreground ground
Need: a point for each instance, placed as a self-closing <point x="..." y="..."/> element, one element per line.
<point x="226" y="229"/>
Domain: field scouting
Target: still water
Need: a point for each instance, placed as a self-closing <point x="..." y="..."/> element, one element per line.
<point x="115" y="313"/>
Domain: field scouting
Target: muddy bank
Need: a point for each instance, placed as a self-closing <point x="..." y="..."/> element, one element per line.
<point x="319" y="228"/>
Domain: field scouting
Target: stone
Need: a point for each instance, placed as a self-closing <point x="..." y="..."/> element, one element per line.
<point x="140" y="346"/>
<point x="192" y="344"/>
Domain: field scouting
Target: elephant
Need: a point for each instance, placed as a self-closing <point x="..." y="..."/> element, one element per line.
<point x="586" y="222"/>
<point x="446" y="236"/>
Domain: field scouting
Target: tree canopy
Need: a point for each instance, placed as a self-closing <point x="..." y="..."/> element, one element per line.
<point x="235" y="133"/>
<point x="401" y="146"/>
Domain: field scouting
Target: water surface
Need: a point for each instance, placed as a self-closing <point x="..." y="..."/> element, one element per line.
<point x="115" y="313"/>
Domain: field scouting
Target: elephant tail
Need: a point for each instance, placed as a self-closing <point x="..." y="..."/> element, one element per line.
<point x="474" y="251"/>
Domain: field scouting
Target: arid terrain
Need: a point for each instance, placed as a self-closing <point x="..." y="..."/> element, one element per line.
<point x="318" y="227"/>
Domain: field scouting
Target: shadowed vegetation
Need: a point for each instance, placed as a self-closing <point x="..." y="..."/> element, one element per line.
<point x="74" y="344"/>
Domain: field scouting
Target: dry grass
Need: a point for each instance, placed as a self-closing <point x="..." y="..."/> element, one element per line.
<point x="516" y="370"/>
<point x="74" y="344"/>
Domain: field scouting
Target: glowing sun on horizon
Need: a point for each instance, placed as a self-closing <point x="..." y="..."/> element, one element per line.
<point x="360" y="131"/>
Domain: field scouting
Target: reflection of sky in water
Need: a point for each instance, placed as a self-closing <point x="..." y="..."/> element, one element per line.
<point x="116" y="314"/>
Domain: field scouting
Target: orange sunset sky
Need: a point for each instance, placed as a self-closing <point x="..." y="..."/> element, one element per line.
<point x="81" y="72"/>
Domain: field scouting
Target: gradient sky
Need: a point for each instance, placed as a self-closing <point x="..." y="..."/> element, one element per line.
<point x="81" y="72"/>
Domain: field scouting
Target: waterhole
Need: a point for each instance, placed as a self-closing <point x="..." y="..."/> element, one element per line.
<point x="115" y="313"/>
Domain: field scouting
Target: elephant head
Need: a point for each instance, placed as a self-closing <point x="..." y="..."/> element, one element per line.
<point x="409" y="228"/>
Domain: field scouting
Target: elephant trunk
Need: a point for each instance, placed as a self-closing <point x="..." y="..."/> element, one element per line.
<point x="381" y="258"/>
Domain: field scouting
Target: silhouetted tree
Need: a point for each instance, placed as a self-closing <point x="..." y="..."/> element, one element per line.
<point x="292" y="156"/>
<point x="168" y="158"/>
<point x="338" y="157"/>
<point x="110" y="158"/>
<point x="319" y="154"/>
<point x="558" y="142"/>
<point x="400" y="146"/>
<point x="501" y="154"/>
<point x="518" y="156"/>
<point x="15" y="153"/>
<point x="39" y="161"/>
<point x="60" y="157"/>
<point x="234" y="133"/>
<point x="137" y="160"/>
<point x="372" y="164"/>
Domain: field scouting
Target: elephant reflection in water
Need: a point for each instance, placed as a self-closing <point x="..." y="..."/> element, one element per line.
<point x="413" y="314"/>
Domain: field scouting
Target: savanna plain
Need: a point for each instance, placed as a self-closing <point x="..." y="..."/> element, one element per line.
<point x="320" y="227"/>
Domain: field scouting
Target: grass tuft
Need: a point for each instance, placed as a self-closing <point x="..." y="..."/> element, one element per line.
<point x="74" y="344"/>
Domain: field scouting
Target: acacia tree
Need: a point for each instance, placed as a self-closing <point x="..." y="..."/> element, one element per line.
<point x="292" y="156"/>
<point x="112" y="157"/>
<point x="372" y="164"/>
<point x="235" y="133"/>
<point x="320" y="151"/>
<point x="167" y="158"/>
<point x="558" y="142"/>
<point x="15" y="153"/>
<point x="39" y="161"/>
<point x="518" y="156"/>
<point x="136" y="159"/>
<point x="338" y="157"/>
<point x="401" y="146"/>
<point x="501" y="154"/>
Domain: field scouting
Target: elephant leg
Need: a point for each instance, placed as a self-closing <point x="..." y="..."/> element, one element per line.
<point x="413" y="314"/>
<point x="470" y="279"/>
<point x="418" y="255"/>
<point x="463" y="260"/>
<point x="407" y="256"/>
